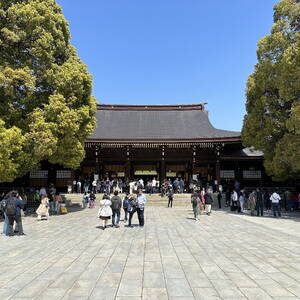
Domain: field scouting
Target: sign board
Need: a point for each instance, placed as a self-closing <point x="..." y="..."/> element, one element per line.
<point x="145" y="172"/>
<point x="121" y="174"/>
<point x="63" y="174"/>
<point x="252" y="174"/>
<point x="227" y="174"/>
<point x="171" y="174"/>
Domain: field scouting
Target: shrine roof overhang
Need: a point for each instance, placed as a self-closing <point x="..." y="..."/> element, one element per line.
<point x="157" y="124"/>
<point x="242" y="154"/>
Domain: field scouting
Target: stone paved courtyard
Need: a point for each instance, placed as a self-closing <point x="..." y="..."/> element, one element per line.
<point x="224" y="256"/>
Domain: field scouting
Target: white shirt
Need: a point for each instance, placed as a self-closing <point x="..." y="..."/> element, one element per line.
<point x="153" y="182"/>
<point x="275" y="198"/>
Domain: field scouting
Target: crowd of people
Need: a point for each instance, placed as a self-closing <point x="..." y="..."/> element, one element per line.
<point x="47" y="201"/>
<point x="110" y="185"/>
<point x="111" y="207"/>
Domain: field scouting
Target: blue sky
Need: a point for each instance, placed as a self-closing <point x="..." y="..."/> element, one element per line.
<point x="171" y="51"/>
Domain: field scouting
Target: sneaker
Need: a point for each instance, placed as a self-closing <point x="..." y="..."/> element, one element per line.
<point x="117" y="226"/>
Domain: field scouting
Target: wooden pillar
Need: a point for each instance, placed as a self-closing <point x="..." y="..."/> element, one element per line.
<point x="193" y="163"/>
<point x="218" y="176"/>
<point x="162" y="165"/>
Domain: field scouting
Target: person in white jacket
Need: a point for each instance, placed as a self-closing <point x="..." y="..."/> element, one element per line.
<point x="105" y="212"/>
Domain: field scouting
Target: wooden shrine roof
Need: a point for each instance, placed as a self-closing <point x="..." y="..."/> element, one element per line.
<point x="156" y="123"/>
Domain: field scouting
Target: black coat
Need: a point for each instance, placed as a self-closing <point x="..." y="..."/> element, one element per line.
<point x="208" y="199"/>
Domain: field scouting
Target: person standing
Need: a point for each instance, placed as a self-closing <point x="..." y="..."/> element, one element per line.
<point x="267" y="200"/>
<point x="85" y="199"/>
<point x="141" y="201"/>
<point x="195" y="200"/>
<point x="170" y="197"/>
<point x="208" y="202"/>
<point x="116" y="205"/>
<point x="275" y="199"/>
<point x="79" y="187"/>
<point x="2" y="207"/>
<point x="125" y="206"/>
<point x="57" y="202"/>
<point x="94" y="186"/>
<point x="132" y="208"/>
<point x="219" y="195"/>
<point x="13" y="208"/>
<point x="105" y="212"/>
<point x="153" y="186"/>
<point x="242" y="201"/>
<point x="234" y="200"/>
<point x="43" y="209"/>
<point x="92" y="199"/>
<point x="252" y="202"/>
<point x="259" y="203"/>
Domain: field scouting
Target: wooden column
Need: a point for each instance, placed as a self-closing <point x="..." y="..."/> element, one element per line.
<point x="162" y="165"/>
<point x="218" y="176"/>
<point x="193" y="164"/>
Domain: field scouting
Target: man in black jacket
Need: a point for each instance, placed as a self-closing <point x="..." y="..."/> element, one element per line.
<point x="259" y="203"/>
<point x="116" y="205"/>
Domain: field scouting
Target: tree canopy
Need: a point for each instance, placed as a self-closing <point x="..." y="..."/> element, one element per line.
<point x="272" y="122"/>
<point x="46" y="107"/>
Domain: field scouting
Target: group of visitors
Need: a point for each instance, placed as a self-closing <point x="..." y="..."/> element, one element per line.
<point x="89" y="199"/>
<point x="202" y="201"/>
<point x="110" y="208"/>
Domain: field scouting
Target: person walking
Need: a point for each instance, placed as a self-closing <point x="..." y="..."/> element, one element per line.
<point x="43" y="209"/>
<point x="259" y="203"/>
<point x="116" y="205"/>
<point x="170" y="198"/>
<point x="195" y="200"/>
<point x="105" y="212"/>
<point x="234" y="200"/>
<point x="208" y="202"/>
<point x="275" y="199"/>
<point x="125" y="206"/>
<point x="252" y="202"/>
<point x="132" y="208"/>
<point x="141" y="201"/>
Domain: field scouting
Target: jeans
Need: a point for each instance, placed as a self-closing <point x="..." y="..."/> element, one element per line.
<point x="260" y="208"/>
<point x="114" y="214"/>
<point x="52" y="206"/>
<point x="196" y="212"/>
<point x="19" y="227"/>
<point x="126" y="214"/>
<point x="5" y="225"/>
<point x="131" y="213"/>
<point x="140" y="213"/>
<point x="242" y="205"/>
<point x="276" y="208"/>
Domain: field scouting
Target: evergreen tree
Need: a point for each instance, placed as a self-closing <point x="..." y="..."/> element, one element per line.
<point x="46" y="107"/>
<point x="272" y="122"/>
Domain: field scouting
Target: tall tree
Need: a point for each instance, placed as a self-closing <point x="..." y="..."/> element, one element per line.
<point x="46" y="107"/>
<point x="272" y="122"/>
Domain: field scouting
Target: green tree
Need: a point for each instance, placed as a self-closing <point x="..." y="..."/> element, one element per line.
<point x="272" y="122"/>
<point x="46" y="107"/>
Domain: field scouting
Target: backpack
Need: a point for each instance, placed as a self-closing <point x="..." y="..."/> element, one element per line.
<point x="195" y="200"/>
<point x="11" y="207"/>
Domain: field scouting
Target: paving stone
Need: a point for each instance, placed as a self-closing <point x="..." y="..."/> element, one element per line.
<point x="226" y="256"/>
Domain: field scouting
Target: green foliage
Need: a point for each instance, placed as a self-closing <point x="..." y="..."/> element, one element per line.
<point x="272" y="122"/>
<point x="46" y="107"/>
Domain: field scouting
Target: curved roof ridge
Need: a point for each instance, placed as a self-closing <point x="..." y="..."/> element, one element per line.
<point x="199" y="106"/>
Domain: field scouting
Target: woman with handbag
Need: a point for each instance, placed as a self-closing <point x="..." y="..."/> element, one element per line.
<point x="105" y="212"/>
